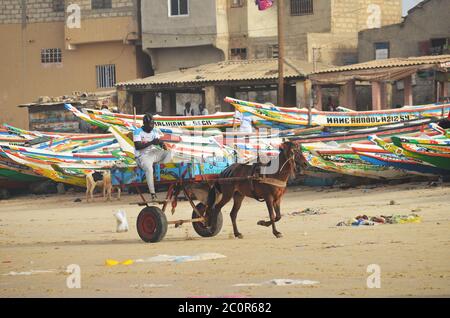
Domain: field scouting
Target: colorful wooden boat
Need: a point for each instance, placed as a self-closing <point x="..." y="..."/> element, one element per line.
<point x="379" y="156"/>
<point x="287" y="117"/>
<point x="351" y="166"/>
<point x="104" y="119"/>
<point x="442" y="161"/>
<point x="438" y="159"/>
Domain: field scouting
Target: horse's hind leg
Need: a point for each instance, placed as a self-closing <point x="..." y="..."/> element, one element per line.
<point x="226" y="197"/>
<point x="238" y="198"/>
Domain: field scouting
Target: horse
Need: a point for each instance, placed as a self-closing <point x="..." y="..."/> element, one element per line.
<point x="238" y="181"/>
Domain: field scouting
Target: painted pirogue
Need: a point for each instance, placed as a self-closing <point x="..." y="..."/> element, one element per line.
<point x="31" y="156"/>
<point x="291" y="117"/>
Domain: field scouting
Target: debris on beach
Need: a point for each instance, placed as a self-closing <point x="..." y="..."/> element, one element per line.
<point x="279" y="282"/>
<point x="113" y="262"/>
<point x="181" y="259"/>
<point x="375" y="220"/>
<point x="32" y="272"/>
<point x="308" y="211"/>
<point x="150" y="285"/>
<point x="122" y="223"/>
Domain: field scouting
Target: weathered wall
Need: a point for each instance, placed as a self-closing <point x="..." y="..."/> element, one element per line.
<point x="29" y="26"/>
<point x="171" y="59"/>
<point x="23" y="78"/>
<point x="422" y="24"/>
<point x="352" y="16"/>
<point x="159" y="30"/>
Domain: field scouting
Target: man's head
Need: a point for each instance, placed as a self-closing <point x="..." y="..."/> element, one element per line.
<point x="149" y="122"/>
<point x="187" y="105"/>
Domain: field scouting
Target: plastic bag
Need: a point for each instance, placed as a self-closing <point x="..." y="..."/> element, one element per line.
<point x="122" y="223"/>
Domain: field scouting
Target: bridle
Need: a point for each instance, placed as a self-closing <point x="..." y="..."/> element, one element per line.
<point x="291" y="158"/>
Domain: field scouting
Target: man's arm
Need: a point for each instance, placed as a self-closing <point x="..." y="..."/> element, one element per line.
<point x="139" y="145"/>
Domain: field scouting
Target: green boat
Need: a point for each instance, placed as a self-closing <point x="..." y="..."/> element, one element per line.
<point x="436" y="159"/>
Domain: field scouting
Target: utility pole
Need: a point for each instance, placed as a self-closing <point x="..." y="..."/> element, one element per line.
<point x="280" y="7"/>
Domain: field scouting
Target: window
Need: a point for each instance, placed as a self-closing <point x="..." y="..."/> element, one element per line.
<point x="237" y="3"/>
<point x="101" y="4"/>
<point x="438" y="46"/>
<point x="302" y="7"/>
<point x="178" y="7"/>
<point x="272" y="51"/>
<point x="381" y="51"/>
<point x="106" y="75"/>
<point x="51" y="56"/>
<point x="238" y="54"/>
<point x="58" y="6"/>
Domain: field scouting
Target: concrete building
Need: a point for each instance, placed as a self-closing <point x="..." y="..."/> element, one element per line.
<point x="52" y="48"/>
<point x="379" y="77"/>
<point x="186" y="33"/>
<point x="424" y="31"/>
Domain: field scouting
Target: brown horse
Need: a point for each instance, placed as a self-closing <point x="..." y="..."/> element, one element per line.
<point x="268" y="187"/>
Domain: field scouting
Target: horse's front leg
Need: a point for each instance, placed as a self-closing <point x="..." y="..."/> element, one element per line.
<point x="277" y="207"/>
<point x="270" y="208"/>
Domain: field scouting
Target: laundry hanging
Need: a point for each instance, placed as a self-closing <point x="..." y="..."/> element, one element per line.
<point x="264" y="4"/>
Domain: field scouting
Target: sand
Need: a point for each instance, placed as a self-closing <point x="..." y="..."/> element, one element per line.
<point x="48" y="233"/>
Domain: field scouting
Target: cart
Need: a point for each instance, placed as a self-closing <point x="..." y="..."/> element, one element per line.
<point x="194" y="181"/>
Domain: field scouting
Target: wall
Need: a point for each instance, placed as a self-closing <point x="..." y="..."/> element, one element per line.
<point x="23" y="77"/>
<point x="171" y="59"/>
<point x="422" y="24"/>
<point x="159" y="30"/>
<point x="352" y="16"/>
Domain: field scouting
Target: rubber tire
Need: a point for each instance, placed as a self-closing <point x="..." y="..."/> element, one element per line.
<point x="206" y="231"/>
<point x="154" y="218"/>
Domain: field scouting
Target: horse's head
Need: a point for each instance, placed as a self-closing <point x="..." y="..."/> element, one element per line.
<point x="291" y="151"/>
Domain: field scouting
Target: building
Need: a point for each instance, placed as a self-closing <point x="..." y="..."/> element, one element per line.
<point x="186" y="33"/>
<point x="424" y="31"/>
<point x="382" y="79"/>
<point x="53" y="48"/>
<point x="255" y="80"/>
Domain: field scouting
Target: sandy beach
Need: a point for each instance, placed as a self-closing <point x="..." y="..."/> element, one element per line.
<point x="42" y="235"/>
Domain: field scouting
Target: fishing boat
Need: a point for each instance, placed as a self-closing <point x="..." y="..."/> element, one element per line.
<point x="351" y="167"/>
<point x="130" y="122"/>
<point x="291" y="117"/>
<point x="441" y="161"/>
<point x="378" y="156"/>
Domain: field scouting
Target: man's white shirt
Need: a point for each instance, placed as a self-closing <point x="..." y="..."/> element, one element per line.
<point x="145" y="137"/>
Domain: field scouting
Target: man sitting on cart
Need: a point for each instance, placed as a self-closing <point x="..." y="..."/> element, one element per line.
<point x="149" y="150"/>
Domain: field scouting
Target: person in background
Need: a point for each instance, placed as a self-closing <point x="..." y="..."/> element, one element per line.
<point x="149" y="150"/>
<point x="331" y="106"/>
<point x="188" y="111"/>
<point x="247" y="123"/>
<point x="202" y="110"/>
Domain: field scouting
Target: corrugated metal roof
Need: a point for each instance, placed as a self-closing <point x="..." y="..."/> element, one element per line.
<point x="393" y="62"/>
<point x="73" y="102"/>
<point x="241" y="70"/>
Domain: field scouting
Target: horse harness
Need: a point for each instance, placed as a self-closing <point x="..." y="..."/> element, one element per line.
<point x="261" y="178"/>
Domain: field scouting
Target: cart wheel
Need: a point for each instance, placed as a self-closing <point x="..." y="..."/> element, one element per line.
<point x="151" y="224"/>
<point x="204" y="230"/>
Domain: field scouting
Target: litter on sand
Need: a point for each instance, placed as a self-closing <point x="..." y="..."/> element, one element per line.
<point x="113" y="262"/>
<point x="150" y="285"/>
<point x="122" y="223"/>
<point x="32" y="272"/>
<point x="181" y="259"/>
<point x="279" y="282"/>
<point x="382" y="219"/>
<point x="307" y="211"/>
